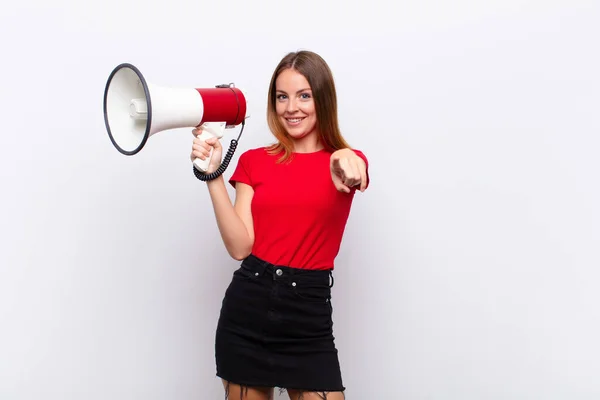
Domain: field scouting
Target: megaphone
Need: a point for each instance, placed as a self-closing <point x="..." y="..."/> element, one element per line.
<point x="135" y="109"/>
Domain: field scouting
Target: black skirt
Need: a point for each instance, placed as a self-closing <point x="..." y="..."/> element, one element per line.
<point x="276" y="330"/>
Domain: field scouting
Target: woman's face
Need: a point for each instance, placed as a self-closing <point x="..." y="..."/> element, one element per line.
<point x="294" y="104"/>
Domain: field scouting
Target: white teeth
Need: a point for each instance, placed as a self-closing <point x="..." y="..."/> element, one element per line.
<point x="295" y="119"/>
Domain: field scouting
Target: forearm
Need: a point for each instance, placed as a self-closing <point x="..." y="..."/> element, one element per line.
<point x="233" y="231"/>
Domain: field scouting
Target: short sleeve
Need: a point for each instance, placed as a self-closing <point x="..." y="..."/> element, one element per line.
<point x="242" y="171"/>
<point x="362" y="155"/>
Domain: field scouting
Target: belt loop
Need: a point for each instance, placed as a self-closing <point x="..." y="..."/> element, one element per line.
<point x="257" y="264"/>
<point x="332" y="280"/>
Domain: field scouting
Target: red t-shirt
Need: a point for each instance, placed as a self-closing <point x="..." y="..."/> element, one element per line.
<point x="299" y="216"/>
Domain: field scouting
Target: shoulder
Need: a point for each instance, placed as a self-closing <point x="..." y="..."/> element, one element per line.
<point x="244" y="171"/>
<point x="248" y="157"/>
<point x="249" y="164"/>
<point x="254" y="153"/>
<point x="360" y="153"/>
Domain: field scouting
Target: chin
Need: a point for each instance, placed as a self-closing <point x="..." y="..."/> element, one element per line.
<point x="298" y="135"/>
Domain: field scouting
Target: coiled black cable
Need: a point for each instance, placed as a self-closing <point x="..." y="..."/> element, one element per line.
<point x="228" y="156"/>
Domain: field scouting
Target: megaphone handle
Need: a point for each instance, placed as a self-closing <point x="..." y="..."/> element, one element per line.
<point x="202" y="165"/>
<point x="228" y="156"/>
<point x="207" y="133"/>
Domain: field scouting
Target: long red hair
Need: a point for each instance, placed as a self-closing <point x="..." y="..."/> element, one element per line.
<point x="318" y="74"/>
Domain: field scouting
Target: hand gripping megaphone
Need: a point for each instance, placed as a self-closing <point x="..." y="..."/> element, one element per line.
<point x="135" y="109"/>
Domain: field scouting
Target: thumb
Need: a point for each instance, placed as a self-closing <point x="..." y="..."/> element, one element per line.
<point x="341" y="187"/>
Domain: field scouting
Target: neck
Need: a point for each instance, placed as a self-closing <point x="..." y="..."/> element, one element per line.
<point x="308" y="144"/>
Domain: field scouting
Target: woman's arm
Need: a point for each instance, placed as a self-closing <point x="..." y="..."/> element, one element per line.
<point x="234" y="220"/>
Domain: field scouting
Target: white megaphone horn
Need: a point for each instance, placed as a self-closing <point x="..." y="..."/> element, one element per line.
<point x="134" y="110"/>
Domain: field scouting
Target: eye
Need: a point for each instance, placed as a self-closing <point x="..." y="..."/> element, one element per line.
<point x="281" y="97"/>
<point x="305" y="96"/>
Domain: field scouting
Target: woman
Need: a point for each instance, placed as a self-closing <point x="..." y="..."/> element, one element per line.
<point x="291" y="206"/>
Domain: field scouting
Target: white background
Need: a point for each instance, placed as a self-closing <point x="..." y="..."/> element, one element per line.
<point x="469" y="269"/>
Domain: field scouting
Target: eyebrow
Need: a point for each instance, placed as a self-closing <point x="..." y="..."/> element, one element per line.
<point x="301" y="90"/>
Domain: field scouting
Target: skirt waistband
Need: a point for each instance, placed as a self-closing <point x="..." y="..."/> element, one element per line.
<point x="283" y="272"/>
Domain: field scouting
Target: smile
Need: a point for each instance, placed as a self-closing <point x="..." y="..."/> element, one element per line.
<point x="294" y="120"/>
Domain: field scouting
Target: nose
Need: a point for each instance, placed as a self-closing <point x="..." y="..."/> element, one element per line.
<point x="291" y="106"/>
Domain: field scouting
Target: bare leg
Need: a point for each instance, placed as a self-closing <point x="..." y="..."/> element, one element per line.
<point x="234" y="391"/>
<point x="299" y="395"/>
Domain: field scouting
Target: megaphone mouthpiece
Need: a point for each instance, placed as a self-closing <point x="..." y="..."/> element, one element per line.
<point x="138" y="109"/>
